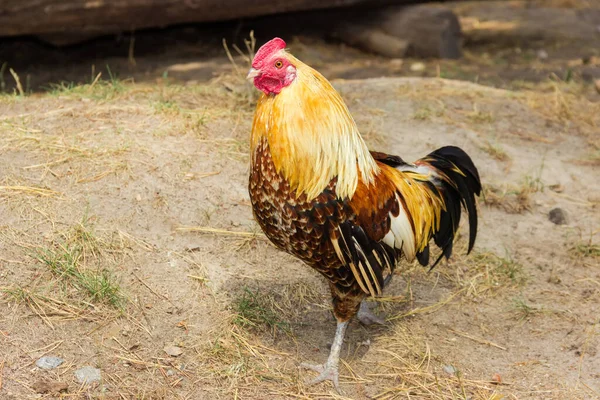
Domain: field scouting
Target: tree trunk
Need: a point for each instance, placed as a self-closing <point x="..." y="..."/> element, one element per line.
<point x="96" y="17"/>
<point x="416" y="31"/>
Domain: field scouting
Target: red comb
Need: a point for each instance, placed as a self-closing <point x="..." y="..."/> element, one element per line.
<point x="267" y="49"/>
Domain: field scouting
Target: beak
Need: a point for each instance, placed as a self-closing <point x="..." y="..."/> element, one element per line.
<point x="253" y="73"/>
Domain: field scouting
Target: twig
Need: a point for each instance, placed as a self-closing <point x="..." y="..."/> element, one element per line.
<point x="47" y="349"/>
<point x="431" y="308"/>
<point x="146" y="363"/>
<point x="96" y="177"/>
<point x="229" y="56"/>
<point x="30" y="190"/>
<point x="18" y="81"/>
<point x="1" y="373"/>
<point x="208" y="174"/>
<point x="198" y="278"/>
<point x="217" y="231"/>
<point x="250" y="44"/>
<point x="149" y="288"/>
<point x="48" y="164"/>
<point x="12" y="261"/>
<point x="478" y="340"/>
<point x="130" y="53"/>
<point x="95" y="80"/>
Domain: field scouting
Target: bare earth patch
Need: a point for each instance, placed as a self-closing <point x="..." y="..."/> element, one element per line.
<point x="127" y="244"/>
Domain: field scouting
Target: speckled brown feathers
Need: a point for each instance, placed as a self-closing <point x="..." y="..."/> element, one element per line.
<point x="356" y="242"/>
<point x="304" y="228"/>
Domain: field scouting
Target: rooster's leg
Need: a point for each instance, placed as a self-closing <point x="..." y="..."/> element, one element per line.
<point x="329" y="370"/>
<point x="366" y="316"/>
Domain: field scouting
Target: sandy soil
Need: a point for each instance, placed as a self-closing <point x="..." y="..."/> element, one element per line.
<point x="126" y="181"/>
<point x="127" y="241"/>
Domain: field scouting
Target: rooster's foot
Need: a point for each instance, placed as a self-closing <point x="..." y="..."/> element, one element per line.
<point x="327" y="372"/>
<point x="366" y="316"/>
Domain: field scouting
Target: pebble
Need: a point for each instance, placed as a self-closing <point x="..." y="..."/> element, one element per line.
<point x="88" y="375"/>
<point x="173" y="351"/>
<point x="49" y="362"/>
<point x="416" y="67"/>
<point x="449" y="369"/>
<point x="542" y="54"/>
<point x="496" y="378"/>
<point x="53" y="387"/>
<point x="558" y="216"/>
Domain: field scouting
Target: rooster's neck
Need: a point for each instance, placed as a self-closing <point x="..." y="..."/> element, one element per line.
<point x="312" y="137"/>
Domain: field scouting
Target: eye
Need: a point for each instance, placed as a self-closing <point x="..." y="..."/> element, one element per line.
<point x="278" y="64"/>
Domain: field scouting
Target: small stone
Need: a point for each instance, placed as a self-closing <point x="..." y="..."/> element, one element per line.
<point x="450" y="370"/>
<point x="542" y="54"/>
<point x="43" y="386"/>
<point x="170" y="372"/>
<point x="173" y="351"/>
<point x="49" y="362"/>
<point x="557" y="187"/>
<point x="417" y="67"/>
<point x="496" y="378"/>
<point x="558" y="216"/>
<point x="88" y="375"/>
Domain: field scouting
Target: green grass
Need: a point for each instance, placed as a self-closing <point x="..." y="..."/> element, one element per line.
<point x="524" y="310"/>
<point x="496" y="151"/>
<point x="500" y="270"/>
<point x="256" y="310"/>
<point x="588" y="249"/>
<point x="97" y="89"/>
<point x="480" y="117"/>
<point x="98" y="285"/>
<point x="77" y="263"/>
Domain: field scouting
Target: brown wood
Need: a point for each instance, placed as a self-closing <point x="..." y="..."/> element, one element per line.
<point x="93" y="17"/>
<point x="431" y="31"/>
<point x="417" y="31"/>
<point x="372" y="39"/>
<point x="494" y="22"/>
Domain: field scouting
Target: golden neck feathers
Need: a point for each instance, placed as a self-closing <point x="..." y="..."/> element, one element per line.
<point x="312" y="137"/>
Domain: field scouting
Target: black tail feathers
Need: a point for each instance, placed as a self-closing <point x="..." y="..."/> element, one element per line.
<point x="459" y="184"/>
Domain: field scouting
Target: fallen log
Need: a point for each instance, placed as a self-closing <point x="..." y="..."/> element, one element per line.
<point x="521" y="25"/>
<point x="415" y="31"/>
<point x="96" y="17"/>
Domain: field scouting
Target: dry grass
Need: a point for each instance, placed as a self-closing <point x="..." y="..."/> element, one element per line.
<point x="496" y="151"/>
<point x="254" y="309"/>
<point x="411" y="370"/>
<point x="259" y="329"/>
<point x="512" y="198"/>
<point x="585" y="249"/>
<point x="75" y="279"/>
<point x="563" y="104"/>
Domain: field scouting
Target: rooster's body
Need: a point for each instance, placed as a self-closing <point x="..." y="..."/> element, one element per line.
<point x="319" y="194"/>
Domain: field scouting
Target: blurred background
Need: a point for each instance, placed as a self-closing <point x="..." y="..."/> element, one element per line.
<point x="507" y="44"/>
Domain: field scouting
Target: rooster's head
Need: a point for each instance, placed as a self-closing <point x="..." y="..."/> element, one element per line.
<point x="272" y="69"/>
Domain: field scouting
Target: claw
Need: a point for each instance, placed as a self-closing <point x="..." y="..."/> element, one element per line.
<point x="366" y="316"/>
<point x="326" y="372"/>
<point x="329" y="370"/>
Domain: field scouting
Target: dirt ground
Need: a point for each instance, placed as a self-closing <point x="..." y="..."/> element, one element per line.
<point x="127" y="241"/>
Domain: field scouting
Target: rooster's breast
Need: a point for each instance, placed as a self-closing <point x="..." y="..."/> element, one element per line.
<point x="293" y="223"/>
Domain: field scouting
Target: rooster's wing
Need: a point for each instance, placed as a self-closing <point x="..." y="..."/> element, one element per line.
<point x="398" y="214"/>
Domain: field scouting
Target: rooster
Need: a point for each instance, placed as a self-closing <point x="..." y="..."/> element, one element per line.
<point x="318" y="192"/>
